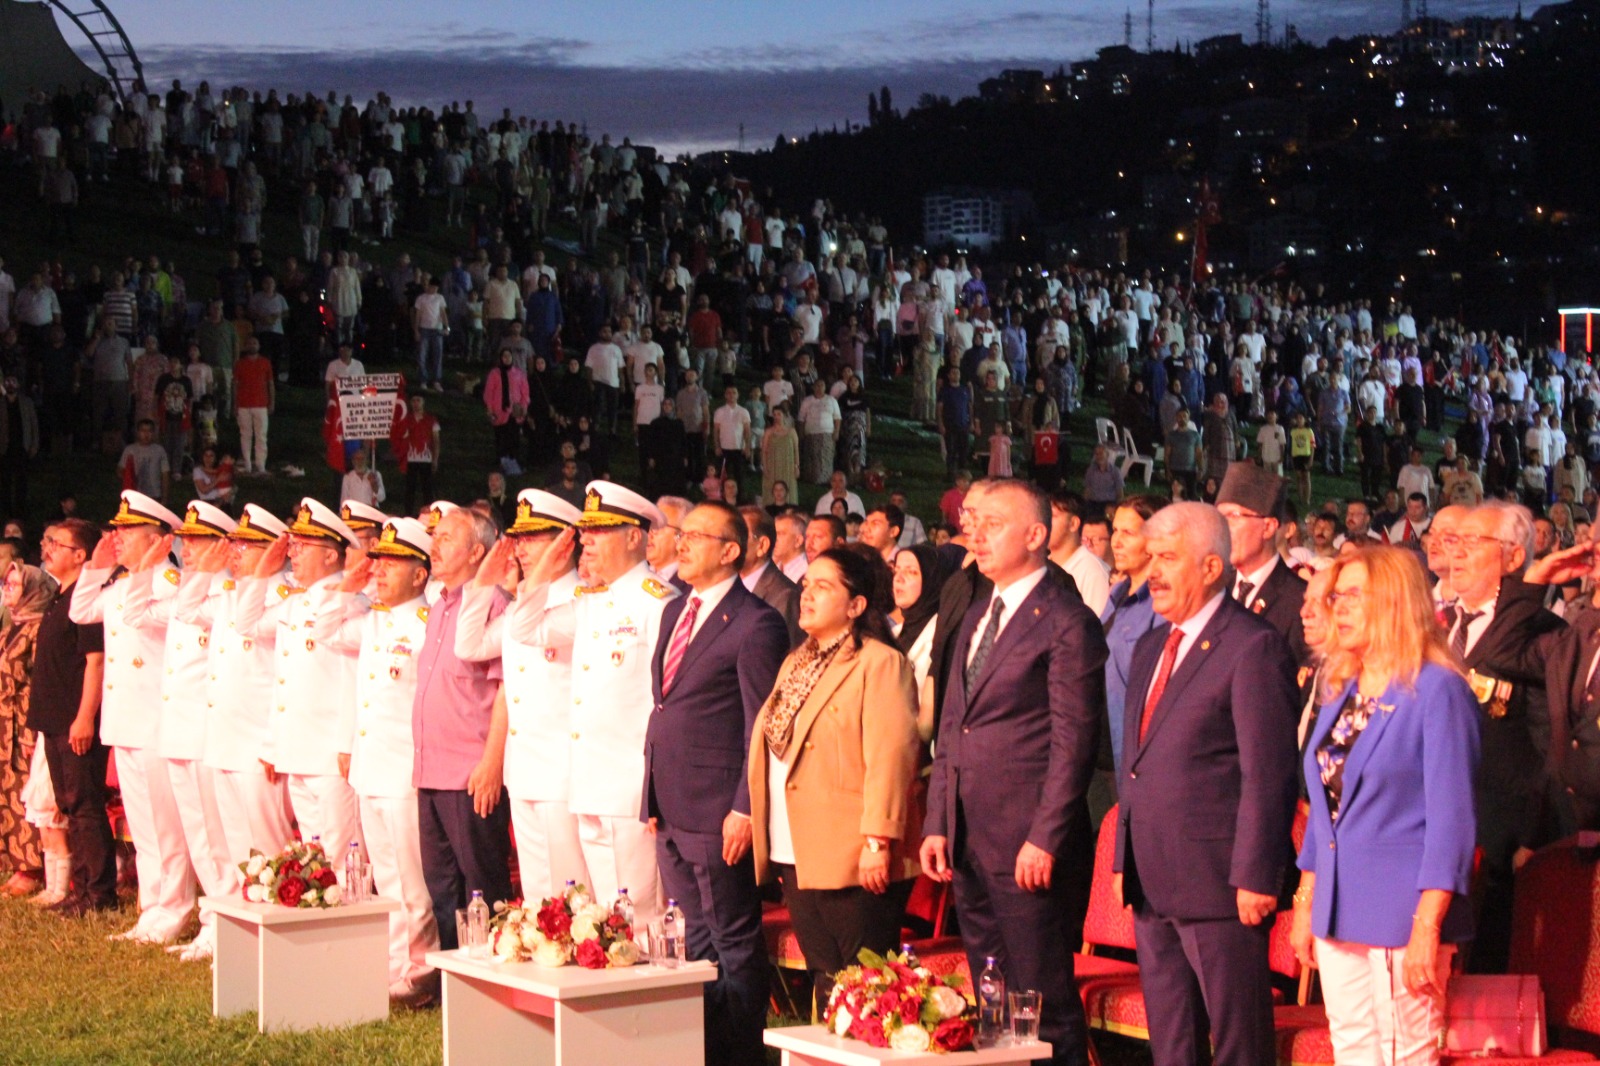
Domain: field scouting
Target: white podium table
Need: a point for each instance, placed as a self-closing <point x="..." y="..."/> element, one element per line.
<point x="301" y="968"/>
<point x="516" y="1012"/>
<point x="814" y="1045"/>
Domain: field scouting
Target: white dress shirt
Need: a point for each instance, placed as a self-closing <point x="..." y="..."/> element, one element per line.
<point x="1012" y="598"/>
<point x="1191" y="627"/>
<point x="708" y="603"/>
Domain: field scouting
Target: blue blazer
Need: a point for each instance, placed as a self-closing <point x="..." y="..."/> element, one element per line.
<point x="1207" y="801"/>
<point x="1406" y="819"/>
<point x="698" y="739"/>
<point x="1017" y="751"/>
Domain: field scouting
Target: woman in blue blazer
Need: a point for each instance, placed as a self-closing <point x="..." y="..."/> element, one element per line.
<point x="1388" y="847"/>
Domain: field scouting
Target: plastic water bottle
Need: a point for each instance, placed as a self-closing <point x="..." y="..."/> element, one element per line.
<point x="623" y="907"/>
<point x="355" y="873"/>
<point x="674" y="949"/>
<point x="583" y="897"/>
<point x="991" y="1004"/>
<point x="477" y="926"/>
<point x="566" y="893"/>
<point x="909" y="957"/>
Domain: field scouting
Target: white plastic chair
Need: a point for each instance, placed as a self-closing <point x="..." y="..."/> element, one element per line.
<point x="1132" y="458"/>
<point x="1105" y="432"/>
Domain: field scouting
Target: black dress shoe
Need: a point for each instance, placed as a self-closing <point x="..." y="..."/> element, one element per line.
<point x="78" y="906"/>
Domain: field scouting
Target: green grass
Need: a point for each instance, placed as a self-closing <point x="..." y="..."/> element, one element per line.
<point x="70" y="998"/>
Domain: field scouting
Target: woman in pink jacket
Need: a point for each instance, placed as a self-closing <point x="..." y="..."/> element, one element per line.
<point x="505" y="395"/>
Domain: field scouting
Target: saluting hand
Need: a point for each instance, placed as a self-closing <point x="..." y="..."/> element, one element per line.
<point x="272" y="560"/>
<point x="105" y="553"/>
<point x="498" y="564"/>
<point x="155" y="554"/>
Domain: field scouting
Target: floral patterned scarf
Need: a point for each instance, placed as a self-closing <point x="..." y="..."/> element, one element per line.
<point x="810" y="661"/>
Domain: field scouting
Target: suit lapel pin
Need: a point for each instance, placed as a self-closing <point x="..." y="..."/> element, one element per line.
<point x="1205" y="645"/>
<point x="724" y="618"/>
<point x="1036" y="612"/>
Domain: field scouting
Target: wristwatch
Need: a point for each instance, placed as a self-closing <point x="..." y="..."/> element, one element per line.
<point x="874" y="845"/>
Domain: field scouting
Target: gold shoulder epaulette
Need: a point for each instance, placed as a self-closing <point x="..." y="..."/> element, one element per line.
<point x="172" y="575"/>
<point x="590" y="590"/>
<point x="657" y="589"/>
<point x="227" y="584"/>
<point x="422" y="613"/>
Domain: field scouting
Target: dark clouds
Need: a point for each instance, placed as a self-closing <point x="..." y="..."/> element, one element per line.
<point x="697" y="97"/>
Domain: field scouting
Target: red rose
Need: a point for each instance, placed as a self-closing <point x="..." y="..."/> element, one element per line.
<point x="554" y="921"/>
<point x="953" y="1034"/>
<point x="290" y="868"/>
<point x="591" y="956"/>
<point x="290" y="889"/>
<point x="911" y="1009"/>
<point x="869" y="1031"/>
<point x="325" y="878"/>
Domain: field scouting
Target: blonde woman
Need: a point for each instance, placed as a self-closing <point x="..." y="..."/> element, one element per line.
<point x="1390" y="761"/>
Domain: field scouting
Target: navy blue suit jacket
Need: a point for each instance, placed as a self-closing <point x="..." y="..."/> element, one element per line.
<point x="698" y="739"/>
<point x="1017" y="751"/>
<point x="1207" y="801"/>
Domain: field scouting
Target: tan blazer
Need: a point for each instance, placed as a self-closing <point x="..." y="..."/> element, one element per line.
<point x="852" y="761"/>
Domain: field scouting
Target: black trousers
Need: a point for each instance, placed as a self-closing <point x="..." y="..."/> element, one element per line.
<point x="1206" y="980"/>
<point x="419" y="486"/>
<point x="722" y="908"/>
<point x="834" y="924"/>
<point x="80" y="785"/>
<point x="1032" y="935"/>
<point x="462" y="854"/>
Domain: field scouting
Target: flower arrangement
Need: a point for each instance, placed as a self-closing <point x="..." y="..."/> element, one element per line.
<point x="894" y="1003"/>
<point x="298" y="876"/>
<point x="563" y="929"/>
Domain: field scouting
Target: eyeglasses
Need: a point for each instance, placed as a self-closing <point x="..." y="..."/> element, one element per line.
<point x="694" y="536"/>
<point x="1350" y="597"/>
<point x="63" y="545"/>
<point x="1469" y="541"/>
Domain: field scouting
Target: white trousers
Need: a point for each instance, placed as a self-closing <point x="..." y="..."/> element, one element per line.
<point x="252" y="438"/>
<point x="255" y="812"/>
<point x="166" y="881"/>
<point x="549" y="852"/>
<point x="621" y="853"/>
<point x="325" y="806"/>
<point x="1372" y="1019"/>
<point x="193" y="791"/>
<point x="394" y="847"/>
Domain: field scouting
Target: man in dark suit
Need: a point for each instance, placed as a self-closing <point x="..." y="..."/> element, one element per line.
<point x="713" y="668"/>
<point x="1208" y="793"/>
<point x="1025" y="692"/>
<point x="1253" y="501"/>
<point x="1496" y="616"/>
<point x="1567" y="662"/>
<point x="762" y="576"/>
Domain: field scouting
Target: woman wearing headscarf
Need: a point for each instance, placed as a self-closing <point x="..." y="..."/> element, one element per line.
<point x="919" y="575"/>
<point x="27" y="805"/>
<point x="832" y="759"/>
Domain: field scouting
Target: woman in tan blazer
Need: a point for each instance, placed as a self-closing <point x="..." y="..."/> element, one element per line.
<point x="832" y="761"/>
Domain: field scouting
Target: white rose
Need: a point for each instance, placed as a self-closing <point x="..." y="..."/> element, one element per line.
<point x="507" y="945"/>
<point x="623" y="953"/>
<point x="550" y="954"/>
<point x="253" y="867"/>
<point x="530" y="937"/>
<point x="255" y="894"/>
<point x="583" y="929"/>
<point x="265" y="876"/>
<point x="951" y="1004"/>
<point x="841" y="1022"/>
<point x="333" y="894"/>
<point x="909" y="1038"/>
<point x="596" y="913"/>
<point x="310" y="898"/>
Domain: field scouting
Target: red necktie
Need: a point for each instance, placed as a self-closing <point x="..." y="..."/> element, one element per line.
<point x="680" y="644"/>
<point x="1411" y="534"/>
<point x="1169" y="656"/>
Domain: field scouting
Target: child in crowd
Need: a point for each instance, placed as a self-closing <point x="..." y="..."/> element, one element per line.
<point x="711" y="484"/>
<point x="474" y="326"/>
<point x="1270" y="439"/>
<point x="144" y="465"/>
<point x="1000" y="450"/>
<point x="1302" y="447"/>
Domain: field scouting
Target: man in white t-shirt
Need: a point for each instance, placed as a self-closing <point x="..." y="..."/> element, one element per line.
<point x="838" y="489"/>
<point x="643" y="353"/>
<point x="732" y="425"/>
<point x="346" y="365"/>
<point x="944" y="279"/>
<point x="604" y="363"/>
<point x="777" y="389"/>
<point x="428" y="318"/>
<point x="808" y="316"/>
<point x="1088" y="571"/>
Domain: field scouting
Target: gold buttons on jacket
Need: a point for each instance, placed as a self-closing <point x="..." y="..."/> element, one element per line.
<point x="574" y="736"/>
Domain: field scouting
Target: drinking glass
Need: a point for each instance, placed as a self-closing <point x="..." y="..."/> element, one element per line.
<point x="461" y="929"/>
<point x="1025" y="1016"/>
<point x="658" y="944"/>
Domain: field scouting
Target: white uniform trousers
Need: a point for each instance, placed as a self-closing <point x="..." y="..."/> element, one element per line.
<point x="1373" y="1020"/>
<point x="394" y="848"/>
<point x="193" y="791"/>
<point x="325" y="806"/>
<point x="549" y="853"/>
<point x="255" y="812"/>
<point x="166" y="881"/>
<point x="621" y="853"/>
